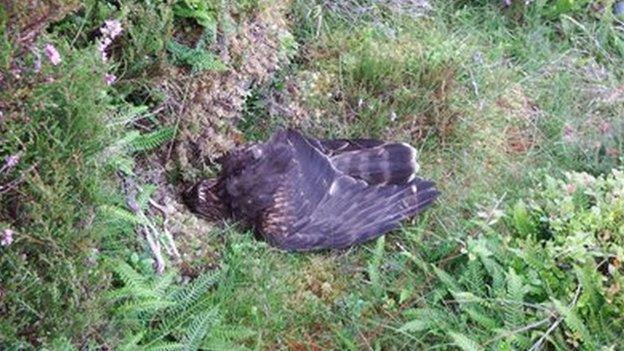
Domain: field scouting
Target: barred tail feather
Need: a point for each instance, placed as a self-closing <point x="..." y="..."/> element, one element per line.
<point x="389" y="163"/>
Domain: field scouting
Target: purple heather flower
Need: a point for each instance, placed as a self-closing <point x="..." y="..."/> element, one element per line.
<point x="111" y="29"/>
<point x="11" y="161"/>
<point x="568" y="133"/>
<point x="102" y="46"/>
<point x="37" y="63"/>
<point x="110" y="78"/>
<point x="605" y="127"/>
<point x="7" y="237"/>
<point x="52" y="54"/>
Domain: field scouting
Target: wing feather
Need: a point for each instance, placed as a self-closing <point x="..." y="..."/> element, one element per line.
<point x="357" y="212"/>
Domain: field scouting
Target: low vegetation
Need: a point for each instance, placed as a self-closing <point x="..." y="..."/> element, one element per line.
<point x="109" y="109"/>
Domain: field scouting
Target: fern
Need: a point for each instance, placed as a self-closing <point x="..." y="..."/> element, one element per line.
<point x="140" y="306"/>
<point x="127" y="115"/>
<point x="198" y="59"/>
<point x="192" y="293"/>
<point x="131" y="342"/>
<point x="164" y="346"/>
<point x="464" y="342"/>
<point x="424" y="319"/>
<point x="576" y="324"/>
<point x="447" y="280"/>
<point x="480" y="316"/>
<point x="508" y="292"/>
<point x="169" y="316"/>
<point x="204" y="12"/>
<point x="515" y="293"/>
<point x="198" y="328"/>
<point x="474" y="277"/>
<point x="152" y="140"/>
<point x="118" y="214"/>
<point x="522" y="220"/>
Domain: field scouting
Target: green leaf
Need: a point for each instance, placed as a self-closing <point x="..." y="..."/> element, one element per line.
<point x="522" y="220"/>
<point x="198" y="59"/>
<point x="152" y="140"/>
<point x="198" y="328"/>
<point x="464" y="342"/>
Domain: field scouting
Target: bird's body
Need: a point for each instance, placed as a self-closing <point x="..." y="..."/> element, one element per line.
<point x="302" y="193"/>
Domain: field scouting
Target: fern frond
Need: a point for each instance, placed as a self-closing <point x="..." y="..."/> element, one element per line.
<point x="132" y="292"/>
<point x="513" y="311"/>
<point x="171" y="317"/>
<point x="190" y="294"/>
<point x="129" y="114"/>
<point x="131" y="343"/>
<point x="152" y="140"/>
<point x="573" y="321"/>
<point x="423" y="319"/>
<point x="474" y="277"/>
<point x="231" y="333"/>
<point x="128" y="275"/>
<point x="118" y="214"/>
<point x="478" y="314"/>
<point x="464" y="342"/>
<point x="197" y="59"/>
<point x="163" y="284"/>
<point x="447" y="280"/>
<point x="497" y="275"/>
<point x="200" y="11"/>
<point x="143" y="306"/>
<point x="164" y="346"/>
<point x="218" y="345"/>
<point x="198" y="328"/>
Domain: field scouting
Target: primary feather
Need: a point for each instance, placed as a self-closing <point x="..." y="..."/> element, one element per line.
<point x="302" y="193"/>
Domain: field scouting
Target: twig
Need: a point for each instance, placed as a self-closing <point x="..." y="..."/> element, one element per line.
<point x="155" y="247"/>
<point x="14" y="183"/>
<point x="147" y="229"/>
<point x="554" y="326"/>
<point x="508" y="302"/>
<point x="517" y="331"/>
<point x="171" y="246"/>
<point x="498" y="203"/>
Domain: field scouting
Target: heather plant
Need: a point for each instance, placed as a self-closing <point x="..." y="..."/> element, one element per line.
<point x="59" y="118"/>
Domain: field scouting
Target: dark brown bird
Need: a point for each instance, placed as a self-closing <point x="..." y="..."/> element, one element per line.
<point x="302" y="193"/>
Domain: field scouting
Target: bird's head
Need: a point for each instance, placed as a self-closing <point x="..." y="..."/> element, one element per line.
<point x="202" y="198"/>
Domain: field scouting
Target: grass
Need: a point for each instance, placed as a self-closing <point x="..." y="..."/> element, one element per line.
<point x="516" y="113"/>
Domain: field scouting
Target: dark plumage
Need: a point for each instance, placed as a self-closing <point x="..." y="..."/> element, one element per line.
<point x="302" y="193"/>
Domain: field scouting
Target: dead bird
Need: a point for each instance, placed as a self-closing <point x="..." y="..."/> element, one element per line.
<point x="302" y="193"/>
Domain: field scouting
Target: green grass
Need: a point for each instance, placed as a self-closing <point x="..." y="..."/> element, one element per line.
<point x="507" y="107"/>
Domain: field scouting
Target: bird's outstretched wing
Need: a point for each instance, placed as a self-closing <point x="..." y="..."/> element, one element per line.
<point x="320" y="207"/>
